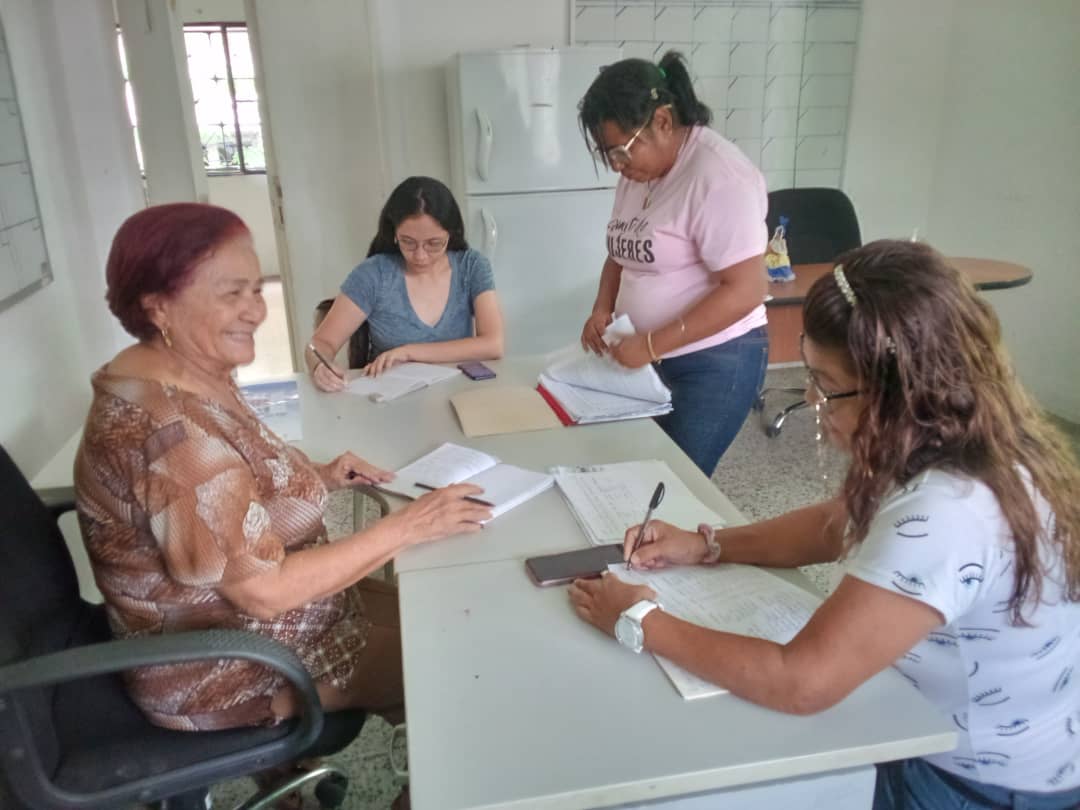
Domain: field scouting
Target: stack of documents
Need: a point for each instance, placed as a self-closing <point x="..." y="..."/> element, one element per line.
<point x="277" y="404"/>
<point x="505" y="486"/>
<point x="608" y="499"/>
<point x="734" y="598"/>
<point x="400" y="380"/>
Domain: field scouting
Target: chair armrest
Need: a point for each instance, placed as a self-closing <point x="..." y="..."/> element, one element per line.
<point x="57" y="500"/>
<point x="369" y="491"/>
<point x="115" y="656"/>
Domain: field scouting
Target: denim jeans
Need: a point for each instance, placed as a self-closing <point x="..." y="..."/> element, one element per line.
<point x="712" y="391"/>
<point x="915" y="784"/>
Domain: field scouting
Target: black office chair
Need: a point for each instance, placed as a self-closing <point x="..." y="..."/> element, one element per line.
<point x="360" y="353"/>
<point x="71" y="738"/>
<point x="821" y="225"/>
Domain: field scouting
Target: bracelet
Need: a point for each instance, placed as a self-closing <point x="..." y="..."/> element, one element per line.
<point x="648" y="342"/>
<point x="682" y="327"/>
<point x="712" y="546"/>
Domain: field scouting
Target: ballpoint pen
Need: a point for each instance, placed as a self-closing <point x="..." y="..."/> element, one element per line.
<point x="657" y="496"/>
<point x="323" y="360"/>
<point x="469" y="498"/>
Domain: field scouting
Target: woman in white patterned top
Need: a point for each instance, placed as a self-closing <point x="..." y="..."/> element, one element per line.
<point x="960" y="527"/>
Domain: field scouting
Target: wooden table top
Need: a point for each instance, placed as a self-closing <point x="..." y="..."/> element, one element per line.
<point x="985" y="274"/>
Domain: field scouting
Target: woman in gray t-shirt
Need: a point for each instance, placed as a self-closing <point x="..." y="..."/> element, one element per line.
<point x="425" y="295"/>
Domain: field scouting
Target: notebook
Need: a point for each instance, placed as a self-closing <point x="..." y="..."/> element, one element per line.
<point x="584" y="388"/>
<point x="504" y="485"/>
<point x="400" y="380"/>
<point x="739" y="599"/>
<point x="487" y="411"/>
<point x="608" y="499"/>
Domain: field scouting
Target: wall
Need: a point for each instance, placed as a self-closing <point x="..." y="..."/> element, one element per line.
<point x="416" y="38"/>
<point x="68" y="79"/>
<point x="971" y="137"/>
<point x="246" y="194"/>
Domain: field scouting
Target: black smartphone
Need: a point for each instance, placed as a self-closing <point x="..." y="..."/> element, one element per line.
<point x="476" y="371"/>
<point x="582" y="563"/>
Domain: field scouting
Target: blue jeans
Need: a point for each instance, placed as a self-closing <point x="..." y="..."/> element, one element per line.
<point x="712" y="391"/>
<point x="915" y="784"/>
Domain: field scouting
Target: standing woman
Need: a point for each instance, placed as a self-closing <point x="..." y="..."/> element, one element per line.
<point x="686" y="242"/>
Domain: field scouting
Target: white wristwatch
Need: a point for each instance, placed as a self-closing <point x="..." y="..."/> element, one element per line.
<point x="628" y="630"/>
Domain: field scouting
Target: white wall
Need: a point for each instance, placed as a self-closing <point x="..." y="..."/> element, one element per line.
<point x="972" y="137"/>
<point x="67" y="75"/>
<point x="247" y="196"/>
<point x="416" y="38"/>
<point x="211" y="11"/>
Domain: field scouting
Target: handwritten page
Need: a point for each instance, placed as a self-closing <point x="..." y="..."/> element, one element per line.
<point x="400" y="380"/>
<point x="608" y="499"/>
<point x="585" y="405"/>
<point x="447" y="464"/>
<point x="739" y="599"/>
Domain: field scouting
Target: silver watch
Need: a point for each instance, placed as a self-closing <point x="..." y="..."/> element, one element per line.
<point x="628" y="630"/>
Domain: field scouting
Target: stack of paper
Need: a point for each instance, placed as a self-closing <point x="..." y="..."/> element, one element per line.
<point x="734" y="598"/>
<point x="505" y="486"/>
<point x="400" y="380"/>
<point x="277" y="404"/>
<point x="608" y="499"/>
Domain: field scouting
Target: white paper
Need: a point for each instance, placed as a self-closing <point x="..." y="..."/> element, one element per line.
<point x="507" y="486"/>
<point x="602" y="373"/>
<point x="608" y="499"/>
<point x="738" y="599"/>
<point x="400" y="380"/>
<point x="585" y="406"/>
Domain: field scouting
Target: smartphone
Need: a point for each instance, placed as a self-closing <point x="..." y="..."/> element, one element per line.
<point x="582" y="563"/>
<point x="476" y="371"/>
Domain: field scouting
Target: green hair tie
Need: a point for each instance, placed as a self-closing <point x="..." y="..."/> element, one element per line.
<point x="663" y="73"/>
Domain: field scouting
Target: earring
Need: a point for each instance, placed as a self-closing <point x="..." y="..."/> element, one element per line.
<point x="165" y="336"/>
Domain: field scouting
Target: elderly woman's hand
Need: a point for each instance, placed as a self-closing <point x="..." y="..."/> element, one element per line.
<point x="442" y="513"/>
<point x="600" y="601"/>
<point x="348" y="470"/>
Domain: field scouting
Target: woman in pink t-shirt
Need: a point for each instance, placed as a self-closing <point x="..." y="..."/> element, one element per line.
<point x="686" y="242"/>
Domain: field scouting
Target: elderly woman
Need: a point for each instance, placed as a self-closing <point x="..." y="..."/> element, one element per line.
<point x="961" y="528"/>
<point x="196" y="516"/>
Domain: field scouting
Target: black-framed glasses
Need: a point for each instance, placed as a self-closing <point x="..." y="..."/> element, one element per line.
<point x="618" y="157"/>
<point x="822" y="396"/>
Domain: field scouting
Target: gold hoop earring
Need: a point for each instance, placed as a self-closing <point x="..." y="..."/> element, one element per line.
<point x="165" y="336"/>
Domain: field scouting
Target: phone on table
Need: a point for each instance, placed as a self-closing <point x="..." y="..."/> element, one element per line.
<point x="476" y="371"/>
<point x="582" y="563"/>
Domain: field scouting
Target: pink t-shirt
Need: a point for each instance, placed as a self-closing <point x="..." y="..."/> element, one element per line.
<point x="706" y="214"/>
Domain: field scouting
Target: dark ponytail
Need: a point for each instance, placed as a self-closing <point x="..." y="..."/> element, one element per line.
<point x="628" y="92"/>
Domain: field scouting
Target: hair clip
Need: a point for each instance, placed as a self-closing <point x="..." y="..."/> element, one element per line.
<point x="663" y="73"/>
<point x="653" y="94"/>
<point x="842" y="283"/>
<point x="890" y="345"/>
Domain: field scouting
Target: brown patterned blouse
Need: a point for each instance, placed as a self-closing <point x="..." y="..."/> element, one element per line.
<point x="178" y="495"/>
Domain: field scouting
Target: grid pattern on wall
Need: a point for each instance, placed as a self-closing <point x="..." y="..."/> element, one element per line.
<point x="777" y="74"/>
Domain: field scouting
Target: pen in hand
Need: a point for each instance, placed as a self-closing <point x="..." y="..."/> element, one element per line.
<point x="657" y="496"/>
<point x="324" y="361"/>
<point x="470" y="498"/>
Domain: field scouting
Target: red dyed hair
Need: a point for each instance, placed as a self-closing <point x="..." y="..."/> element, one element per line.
<point x="156" y="251"/>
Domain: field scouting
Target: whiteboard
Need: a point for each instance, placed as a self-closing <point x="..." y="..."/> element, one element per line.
<point x="24" y="258"/>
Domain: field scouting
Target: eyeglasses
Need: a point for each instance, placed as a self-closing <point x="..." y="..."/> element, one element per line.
<point x="618" y="157"/>
<point x="432" y="247"/>
<point x="813" y="384"/>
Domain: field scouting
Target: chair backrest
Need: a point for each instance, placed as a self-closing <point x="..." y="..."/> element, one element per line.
<point x="40" y="607"/>
<point x="821" y="223"/>
<point x="359" y="341"/>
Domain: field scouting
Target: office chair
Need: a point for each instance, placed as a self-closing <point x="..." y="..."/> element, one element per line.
<point x="72" y="739"/>
<point x="821" y="225"/>
<point x="360" y="353"/>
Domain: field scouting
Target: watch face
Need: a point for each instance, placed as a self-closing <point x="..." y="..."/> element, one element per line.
<point x="628" y="633"/>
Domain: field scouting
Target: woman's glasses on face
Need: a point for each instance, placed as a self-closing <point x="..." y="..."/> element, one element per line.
<point x="432" y="247"/>
<point x="815" y="393"/>
<point x="618" y="157"/>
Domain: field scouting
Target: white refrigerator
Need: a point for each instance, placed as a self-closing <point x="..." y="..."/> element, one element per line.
<point x="533" y="200"/>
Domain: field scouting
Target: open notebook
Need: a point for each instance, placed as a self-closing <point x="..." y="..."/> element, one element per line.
<point x="734" y="598"/>
<point x="504" y="485"/>
<point x="400" y="380"/>
<point x="583" y="388"/>
<point x="607" y="499"/>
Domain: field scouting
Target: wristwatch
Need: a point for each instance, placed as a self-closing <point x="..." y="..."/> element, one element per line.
<point x="628" y="630"/>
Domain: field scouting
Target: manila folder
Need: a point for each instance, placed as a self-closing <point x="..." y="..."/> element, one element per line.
<point x="487" y="411"/>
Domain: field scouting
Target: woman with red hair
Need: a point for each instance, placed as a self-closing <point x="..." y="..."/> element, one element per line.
<point x="196" y="516"/>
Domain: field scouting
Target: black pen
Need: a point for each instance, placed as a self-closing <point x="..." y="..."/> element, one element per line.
<point x="323" y="360"/>
<point x="657" y="496"/>
<point x="469" y="498"/>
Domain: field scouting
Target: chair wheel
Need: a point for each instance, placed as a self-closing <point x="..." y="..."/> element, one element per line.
<point x="759" y="404"/>
<point x="331" y="791"/>
<point x="772" y="431"/>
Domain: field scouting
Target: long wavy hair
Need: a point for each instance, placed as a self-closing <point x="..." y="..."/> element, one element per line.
<point x="940" y="392"/>
<point x="412" y="197"/>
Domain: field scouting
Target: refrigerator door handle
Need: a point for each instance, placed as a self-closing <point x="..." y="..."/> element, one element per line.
<point x="484" y="143"/>
<point x="491" y="232"/>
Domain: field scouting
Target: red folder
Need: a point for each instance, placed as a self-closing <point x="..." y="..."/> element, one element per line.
<point x="554" y="404"/>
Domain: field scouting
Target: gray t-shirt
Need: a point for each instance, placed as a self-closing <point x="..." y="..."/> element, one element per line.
<point x="377" y="286"/>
